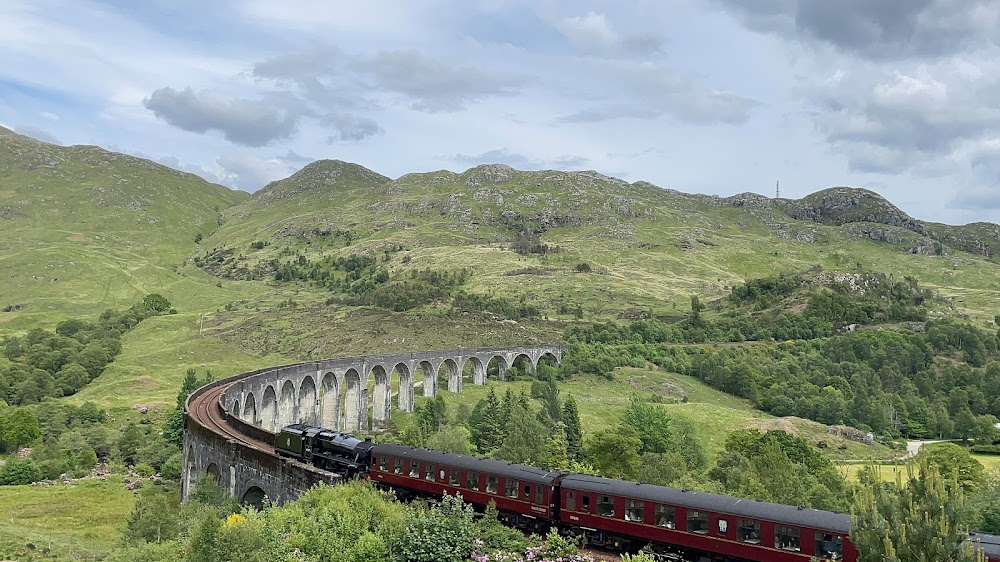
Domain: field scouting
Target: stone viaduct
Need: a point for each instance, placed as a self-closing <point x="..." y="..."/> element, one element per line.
<point x="247" y="409"/>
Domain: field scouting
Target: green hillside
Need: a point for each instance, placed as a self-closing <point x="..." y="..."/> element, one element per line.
<point x="526" y="235"/>
<point x="83" y="229"/>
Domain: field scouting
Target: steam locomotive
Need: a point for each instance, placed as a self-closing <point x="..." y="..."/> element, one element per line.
<point x="615" y="514"/>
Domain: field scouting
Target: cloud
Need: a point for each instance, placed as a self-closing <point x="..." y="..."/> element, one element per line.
<point x="647" y="91"/>
<point x="592" y="33"/>
<point x="350" y="127"/>
<point x="876" y="29"/>
<point x="248" y="172"/>
<point x="292" y="156"/>
<point x="890" y="121"/>
<point x="519" y="161"/>
<point x="36" y="133"/>
<point x="242" y="121"/>
<point x="434" y="86"/>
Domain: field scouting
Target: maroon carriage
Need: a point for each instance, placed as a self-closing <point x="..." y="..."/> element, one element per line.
<point x="525" y="495"/>
<point x="626" y="514"/>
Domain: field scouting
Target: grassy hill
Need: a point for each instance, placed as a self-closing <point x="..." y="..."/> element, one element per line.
<point x="83" y="229"/>
<point x="647" y="249"/>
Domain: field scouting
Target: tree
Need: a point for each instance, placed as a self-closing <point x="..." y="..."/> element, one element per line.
<point x="18" y="428"/>
<point x="152" y="519"/>
<point x="919" y="520"/>
<point x="558" y="456"/>
<point x="488" y="432"/>
<point x="128" y="445"/>
<point x="72" y="378"/>
<point x="574" y="435"/>
<point x="950" y="459"/>
<point x="451" y="439"/>
<point x="551" y="406"/>
<point x="173" y="430"/>
<point x="651" y="424"/>
<point x="614" y="452"/>
<point x="965" y="423"/>
<point x="18" y="471"/>
<point x="524" y="438"/>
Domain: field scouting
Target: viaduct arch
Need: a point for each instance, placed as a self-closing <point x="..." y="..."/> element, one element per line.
<point x="230" y="424"/>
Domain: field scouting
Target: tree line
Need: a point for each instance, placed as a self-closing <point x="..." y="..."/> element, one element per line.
<point x="60" y="362"/>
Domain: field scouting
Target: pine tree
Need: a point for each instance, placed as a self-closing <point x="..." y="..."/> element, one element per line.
<point x="173" y="430"/>
<point x="557" y="448"/>
<point x="574" y="435"/>
<point x="524" y="436"/>
<point x="915" y="521"/>
<point x="489" y="431"/>
<point x="505" y="406"/>
<point x="551" y="405"/>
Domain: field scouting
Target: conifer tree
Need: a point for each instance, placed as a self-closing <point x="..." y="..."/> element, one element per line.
<point x="489" y="431"/>
<point x="574" y="435"/>
<point x="505" y="406"/>
<point x="557" y="448"/>
<point x="915" y="521"/>
<point x="524" y="438"/>
<point x="551" y="405"/>
<point x="173" y="430"/>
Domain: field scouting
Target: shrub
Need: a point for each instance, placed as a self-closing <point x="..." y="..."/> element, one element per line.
<point x="17" y="471"/>
<point x="144" y="470"/>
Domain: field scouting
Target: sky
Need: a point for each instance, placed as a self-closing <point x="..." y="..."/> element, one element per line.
<point x="704" y="96"/>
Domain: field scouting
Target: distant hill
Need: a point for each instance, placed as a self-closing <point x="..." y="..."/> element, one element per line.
<point x="83" y="229"/>
<point x="647" y="248"/>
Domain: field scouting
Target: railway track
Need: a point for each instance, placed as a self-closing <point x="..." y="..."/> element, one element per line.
<point x="205" y="410"/>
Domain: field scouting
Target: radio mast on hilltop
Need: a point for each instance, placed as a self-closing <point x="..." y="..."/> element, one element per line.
<point x="777" y="189"/>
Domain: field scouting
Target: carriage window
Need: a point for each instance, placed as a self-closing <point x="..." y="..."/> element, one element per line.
<point x="665" y="516"/>
<point x="605" y="506"/>
<point x="749" y="531"/>
<point x="441" y="475"/>
<point x="527" y="492"/>
<point x="586" y="503"/>
<point x="453" y="478"/>
<point x="698" y="522"/>
<point x="397" y="466"/>
<point x="570" y="501"/>
<point x="414" y="470"/>
<point x="383" y="464"/>
<point x="829" y="546"/>
<point x="510" y="489"/>
<point x="472" y="480"/>
<point x="723" y="527"/>
<point x="429" y="472"/>
<point x="634" y="510"/>
<point x="787" y="538"/>
<point x="491" y="484"/>
<point x="539" y="495"/>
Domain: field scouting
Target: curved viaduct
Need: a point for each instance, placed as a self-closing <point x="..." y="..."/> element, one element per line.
<point x="230" y="424"/>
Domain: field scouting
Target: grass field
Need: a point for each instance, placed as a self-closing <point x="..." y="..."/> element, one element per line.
<point x="889" y="471"/>
<point x="80" y="521"/>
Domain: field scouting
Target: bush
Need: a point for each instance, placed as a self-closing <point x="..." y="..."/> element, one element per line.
<point x="985" y="449"/>
<point x="171" y="469"/>
<point x="17" y="471"/>
<point x="144" y="470"/>
<point x="445" y="533"/>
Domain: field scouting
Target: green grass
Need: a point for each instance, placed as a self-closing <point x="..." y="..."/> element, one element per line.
<point x="80" y="521"/>
<point x="889" y="471"/>
<point x="156" y="354"/>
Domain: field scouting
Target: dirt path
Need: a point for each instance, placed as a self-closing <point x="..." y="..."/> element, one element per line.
<point x="913" y="447"/>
